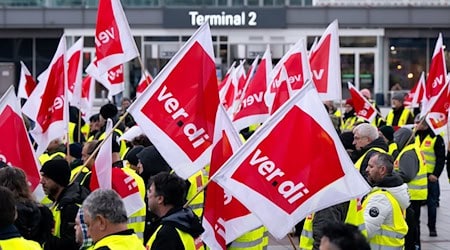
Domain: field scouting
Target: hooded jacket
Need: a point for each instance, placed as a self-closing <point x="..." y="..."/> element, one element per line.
<point x="379" y="209"/>
<point x="177" y="218"/>
<point x="409" y="163"/>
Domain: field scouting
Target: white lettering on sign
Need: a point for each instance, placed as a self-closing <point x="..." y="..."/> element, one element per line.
<point x="197" y="136"/>
<point x="113" y="74"/>
<point x="219" y="227"/>
<point x="437" y="81"/>
<point x="318" y="74"/>
<point x="224" y="19"/>
<point x="291" y="79"/>
<point x="249" y="100"/>
<point x="267" y="168"/>
<point x="104" y="37"/>
<point x="58" y="103"/>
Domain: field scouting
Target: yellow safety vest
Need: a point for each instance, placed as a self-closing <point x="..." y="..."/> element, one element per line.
<point x="418" y="187"/>
<point x="306" y="237"/>
<point x="43" y="158"/>
<point x="392" y="148"/>
<point x="187" y="239"/>
<point x="197" y="183"/>
<point x="427" y="147"/>
<point x="136" y="221"/>
<point x="349" y="123"/>
<point x="19" y="243"/>
<point x="118" y="242"/>
<point x="355" y="215"/>
<point x="74" y="172"/>
<point x="122" y="144"/>
<point x="389" y="236"/>
<point x="252" y="240"/>
<point x="361" y="159"/>
<point x="403" y="117"/>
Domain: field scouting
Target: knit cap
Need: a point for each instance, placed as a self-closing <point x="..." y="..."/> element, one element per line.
<point x="57" y="170"/>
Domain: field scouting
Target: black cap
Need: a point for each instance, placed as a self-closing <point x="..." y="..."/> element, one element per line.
<point x="108" y="111"/>
<point x="58" y="171"/>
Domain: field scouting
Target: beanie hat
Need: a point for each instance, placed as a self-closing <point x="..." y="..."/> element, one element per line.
<point x="131" y="155"/>
<point x="399" y="97"/>
<point x="152" y="161"/>
<point x="75" y="150"/>
<point x="387" y="132"/>
<point x="366" y="93"/>
<point x="349" y="102"/>
<point x="57" y="170"/>
<point x="108" y="111"/>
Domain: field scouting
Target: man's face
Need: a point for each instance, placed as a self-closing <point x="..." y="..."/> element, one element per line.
<point x="373" y="171"/>
<point x="153" y="199"/>
<point x="78" y="232"/>
<point x="360" y="141"/>
<point x="93" y="226"/>
<point x="50" y="187"/>
<point x="85" y="155"/>
<point x="396" y="104"/>
<point x="348" y="108"/>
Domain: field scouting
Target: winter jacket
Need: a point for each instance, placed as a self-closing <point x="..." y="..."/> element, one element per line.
<point x="377" y="143"/>
<point x="34" y="221"/>
<point x="409" y="163"/>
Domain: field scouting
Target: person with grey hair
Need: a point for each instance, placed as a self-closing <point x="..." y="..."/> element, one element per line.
<point x="367" y="141"/>
<point x="106" y="219"/>
<point x="386" y="227"/>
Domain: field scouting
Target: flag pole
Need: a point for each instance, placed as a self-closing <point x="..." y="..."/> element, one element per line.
<point x="121" y="119"/>
<point x="79" y="125"/>
<point x="292" y="241"/>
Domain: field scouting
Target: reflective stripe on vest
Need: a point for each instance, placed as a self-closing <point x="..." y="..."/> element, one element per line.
<point x="306" y="237"/>
<point x="252" y="240"/>
<point x="389" y="236"/>
<point x="427" y="147"/>
<point x="361" y="159"/>
<point x="417" y="187"/>
<point x="46" y="157"/>
<point x="187" y="239"/>
<point x="403" y="118"/>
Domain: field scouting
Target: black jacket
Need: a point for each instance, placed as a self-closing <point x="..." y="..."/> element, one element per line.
<point x="34" y="221"/>
<point x="377" y="143"/>
<point x="177" y="218"/>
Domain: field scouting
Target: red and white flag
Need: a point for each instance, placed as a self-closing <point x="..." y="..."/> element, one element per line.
<point x="437" y="117"/>
<point x="224" y="218"/>
<point x="113" y="80"/>
<point x="326" y="64"/>
<point x="279" y="185"/>
<point x="146" y="79"/>
<point x="15" y="146"/>
<point x="87" y="97"/>
<point x="47" y="105"/>
<point x="179" y="118"/>
<point x="114" y="43"/>
<point x="362" y="106"/>
<point x="253" y="109"/>
<point x="416" y="94"/>
<point x="283" y="92"/>
<point x="74" y="60"/>
<point x="102" y="170"/>
<point x="26" y="82"/>
<point x="225" y="79"/>
<point x="437" y="76"/>
<point x="298" y="70"/>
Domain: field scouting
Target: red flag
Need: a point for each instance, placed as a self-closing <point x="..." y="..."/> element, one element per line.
<point x="75" y="71"/>
<point x="225" y="78"/>
<point x="15" y="146"/>
<point x="362" y="106"/>
<point x="437" y="117"/>
<point x="416" y="94"/>
<point x="179" y="118"/>
<point x="112" y="80"/>
<point x="279" y="185"/>
<point x="87" y="97"/>
<point x="437" y="76"/>
<point x="102" y="171"/>
<point x="47" y="105"/>
<point x="26" y="82"/>
<point x="283" y="92"/>
<point x="326" y="64"/>
<point x="114" y="43"/>
<point x="224" y="217"/>
<point x="146" y="79"/>
<point x="229" y="93"/>
<point x="253" y="109"/>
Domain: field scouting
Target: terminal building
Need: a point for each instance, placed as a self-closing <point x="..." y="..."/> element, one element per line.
<point x="385" y="44"/>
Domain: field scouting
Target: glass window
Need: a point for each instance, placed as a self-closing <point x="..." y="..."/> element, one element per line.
<point x="357" y="41"/>
<point x="45" y="49"/>
<point x="347" y="72"/>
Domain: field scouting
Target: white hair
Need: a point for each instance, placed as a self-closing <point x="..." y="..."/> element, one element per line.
<point x="366" y="129"/>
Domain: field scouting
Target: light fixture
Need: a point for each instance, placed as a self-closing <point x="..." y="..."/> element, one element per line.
<point x="410" y="75"/>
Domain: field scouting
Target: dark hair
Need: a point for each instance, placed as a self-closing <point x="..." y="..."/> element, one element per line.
<point x="384" y="160"/>
<point x="7" y="207"/>
<point x="15" y="180"/>
<point x="345" y="236"/>
<point x="171" y="187"/>
<point x="94" y="118"/>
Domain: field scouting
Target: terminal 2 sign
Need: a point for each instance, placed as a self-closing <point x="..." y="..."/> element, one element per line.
<point x="225" y="18"/>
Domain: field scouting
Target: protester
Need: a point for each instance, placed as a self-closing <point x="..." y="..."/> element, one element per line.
<point x="106" y="218"/>
<point x="81" y="232"/>
<point x="387" y="132"/>
<point x="177" y="227"/>
<point x="55" y="150"/>
<point x="399" y="115"/>
<point x="340" y="236"/>
<point x="349" y="116"/>
<point x="10" y="237"/>
<point x="383" y="216"/>
<point x="34" y="221"/>
<point x="55" y="175"/>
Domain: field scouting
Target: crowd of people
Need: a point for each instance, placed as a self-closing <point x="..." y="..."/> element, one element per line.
<point x="402" y="165"/>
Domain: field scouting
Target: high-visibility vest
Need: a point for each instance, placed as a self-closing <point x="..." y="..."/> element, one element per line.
<point x="187" y="239"/>
<point x="119" y="242"/>
<point x="417" y="187"/>
<point x="355" y="215"/>
<point x="252" y="240"/>
<point x="306" y="237"/>
<point x="389" y="236"/>
<point x="403" y="118"/>
<point x="19" y="243"/>
<point x="43" y="158"/>
<point x="122" y="144"/>
<point x="392" y="148"/>
<point x="74" y="172"/>
<point x="427" y="147"/>
<point x="84" y="131"/>
<point x="349" y="123"/>
<point x="196" y="204"/>
<point x="136" y="221"/>
<point x="361" y="159"/>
